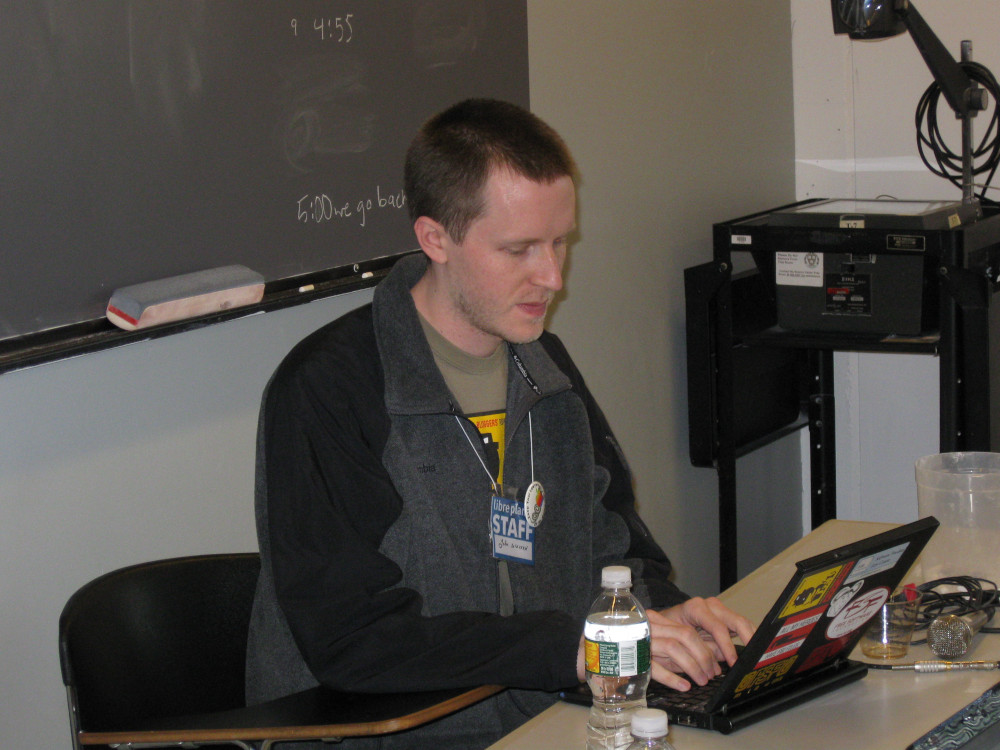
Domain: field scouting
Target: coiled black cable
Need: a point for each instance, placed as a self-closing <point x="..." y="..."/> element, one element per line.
<point x="932" y="148"/>
<point x="975" y="594"/>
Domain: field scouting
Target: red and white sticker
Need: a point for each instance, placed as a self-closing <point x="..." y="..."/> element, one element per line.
<point x="790" y="637"/>
<point x="857" y="613"/>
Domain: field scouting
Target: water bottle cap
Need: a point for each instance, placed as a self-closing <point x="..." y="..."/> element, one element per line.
<point x="616" y="577"/>
<point x="649" y="722"/>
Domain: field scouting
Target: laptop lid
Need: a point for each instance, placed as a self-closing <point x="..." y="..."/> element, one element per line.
<point x="821" y="613"/>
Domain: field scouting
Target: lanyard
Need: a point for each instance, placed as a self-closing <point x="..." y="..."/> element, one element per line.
<point x="523" y="370"/>
<point x="531" y="452"/>
<point x="505" y="593"/>
<point x="534" y="496"/>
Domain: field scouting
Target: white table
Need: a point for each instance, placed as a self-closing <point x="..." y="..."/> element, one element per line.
<point x="883" y="710"/>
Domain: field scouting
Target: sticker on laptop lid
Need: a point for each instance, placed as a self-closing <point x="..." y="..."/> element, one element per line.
<point x="814" y="589"/>
<point x="857" y="613"/>
<point x="843" y="596"/>
<point x="764" y="677"/>
<point x="884" y="560"/>
<point x="790" y="636"/>
<point x="823" y="653"/>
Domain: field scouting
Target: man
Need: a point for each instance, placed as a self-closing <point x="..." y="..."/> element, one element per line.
<point x="437" y="489"/>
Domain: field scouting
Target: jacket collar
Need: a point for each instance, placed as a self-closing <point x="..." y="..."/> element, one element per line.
<point x="413" y="383"/>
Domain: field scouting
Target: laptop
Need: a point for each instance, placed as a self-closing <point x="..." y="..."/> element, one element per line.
<point x="800" y="649"/>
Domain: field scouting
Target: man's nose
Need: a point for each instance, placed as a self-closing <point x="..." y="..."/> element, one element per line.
<point x="548" y="272"/>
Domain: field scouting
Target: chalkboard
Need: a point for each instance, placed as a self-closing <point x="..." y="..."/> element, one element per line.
<point x="141" y="139"/>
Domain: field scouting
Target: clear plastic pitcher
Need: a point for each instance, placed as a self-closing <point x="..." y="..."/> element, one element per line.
<point x="962" y="490"/>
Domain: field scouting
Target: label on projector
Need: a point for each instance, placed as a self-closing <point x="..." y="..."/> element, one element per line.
<point x="798" y="269"/>
<point x="848" y="294"/>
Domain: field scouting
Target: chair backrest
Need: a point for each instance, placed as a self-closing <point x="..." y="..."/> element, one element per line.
<point x="163" y="638"/>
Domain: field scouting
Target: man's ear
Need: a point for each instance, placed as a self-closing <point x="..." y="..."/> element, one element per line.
<point x="432" y="238"/>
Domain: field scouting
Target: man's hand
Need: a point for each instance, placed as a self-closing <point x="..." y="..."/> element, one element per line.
<point x="693" y="638"/>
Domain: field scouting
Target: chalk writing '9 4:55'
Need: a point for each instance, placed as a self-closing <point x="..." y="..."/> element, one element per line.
<point x="337" y="29"/>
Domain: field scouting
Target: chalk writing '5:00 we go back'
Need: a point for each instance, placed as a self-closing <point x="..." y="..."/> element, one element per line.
<point x="321" y="208"/>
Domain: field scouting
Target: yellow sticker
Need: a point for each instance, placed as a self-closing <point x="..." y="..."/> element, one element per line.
<point x="811" y="591"/>
<point x="762" y="678"/>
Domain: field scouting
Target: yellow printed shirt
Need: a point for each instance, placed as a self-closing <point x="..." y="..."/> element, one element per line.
<point x="491" y="428"/>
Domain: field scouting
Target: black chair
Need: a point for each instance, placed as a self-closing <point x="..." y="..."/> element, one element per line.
<point x="154" y="654"/>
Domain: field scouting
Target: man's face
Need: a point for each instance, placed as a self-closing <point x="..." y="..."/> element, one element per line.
<point x="502" y="277"/>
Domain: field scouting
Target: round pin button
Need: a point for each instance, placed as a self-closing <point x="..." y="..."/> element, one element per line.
<point x="534" y="504"/>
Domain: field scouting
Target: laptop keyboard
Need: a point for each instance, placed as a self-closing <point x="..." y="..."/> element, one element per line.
<point x="695" y="699"/>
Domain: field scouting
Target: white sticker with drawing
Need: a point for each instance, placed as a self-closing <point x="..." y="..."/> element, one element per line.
<point x="798" y="269"/>
<point x="861" y="609"/>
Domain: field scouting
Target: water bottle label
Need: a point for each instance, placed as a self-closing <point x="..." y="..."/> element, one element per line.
<point x="617" y="659"/>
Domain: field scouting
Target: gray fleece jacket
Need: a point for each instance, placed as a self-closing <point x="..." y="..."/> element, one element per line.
<point x="373" y="515"/>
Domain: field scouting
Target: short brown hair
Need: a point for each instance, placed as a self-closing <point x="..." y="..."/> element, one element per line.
<point x="455" y="152"/>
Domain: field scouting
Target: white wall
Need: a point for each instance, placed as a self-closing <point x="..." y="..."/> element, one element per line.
<point x="114" y="458"/>
<point x="855" y="137"/>
<point x="679" y="114"/>
<point x="146" y="451"/>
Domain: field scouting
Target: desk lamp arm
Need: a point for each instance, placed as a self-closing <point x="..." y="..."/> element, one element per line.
<point x="964" y="97"/>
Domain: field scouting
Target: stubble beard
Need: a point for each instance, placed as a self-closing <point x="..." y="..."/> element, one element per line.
<point x="487" y="322"/>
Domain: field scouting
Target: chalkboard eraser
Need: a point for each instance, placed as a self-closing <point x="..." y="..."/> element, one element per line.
<point x="187" y="296"/>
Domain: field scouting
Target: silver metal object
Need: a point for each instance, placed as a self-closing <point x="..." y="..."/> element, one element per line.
<point x="951" y="635"/>
<point x="946" y="666"/>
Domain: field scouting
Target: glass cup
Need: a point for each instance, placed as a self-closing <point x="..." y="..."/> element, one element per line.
<point x="888" y="634"/>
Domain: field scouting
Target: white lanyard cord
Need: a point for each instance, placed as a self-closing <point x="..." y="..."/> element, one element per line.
<point x="531" y="449"/>
<point x="473" y="445"/>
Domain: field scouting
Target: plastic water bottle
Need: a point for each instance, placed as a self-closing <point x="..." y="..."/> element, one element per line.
<point x="649" y="728"/>
<point x="616" y="637"/>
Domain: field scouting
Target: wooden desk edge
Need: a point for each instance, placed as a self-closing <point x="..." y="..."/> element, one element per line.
<point x="322" y="732"/>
